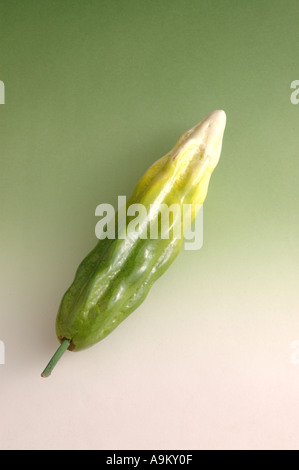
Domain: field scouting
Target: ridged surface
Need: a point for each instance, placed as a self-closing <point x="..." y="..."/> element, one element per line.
<point x="115" y="278"/>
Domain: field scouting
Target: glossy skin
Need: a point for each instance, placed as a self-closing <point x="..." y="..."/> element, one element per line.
<point x="116" y="276"/>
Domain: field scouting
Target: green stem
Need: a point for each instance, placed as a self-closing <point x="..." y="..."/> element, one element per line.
<point x="60" y="351"/>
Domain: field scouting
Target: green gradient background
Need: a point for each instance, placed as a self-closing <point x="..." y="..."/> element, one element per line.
<point x="95" y="92"/>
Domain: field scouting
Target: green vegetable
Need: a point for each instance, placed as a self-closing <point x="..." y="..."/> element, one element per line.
<point x="116" y="276"/>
